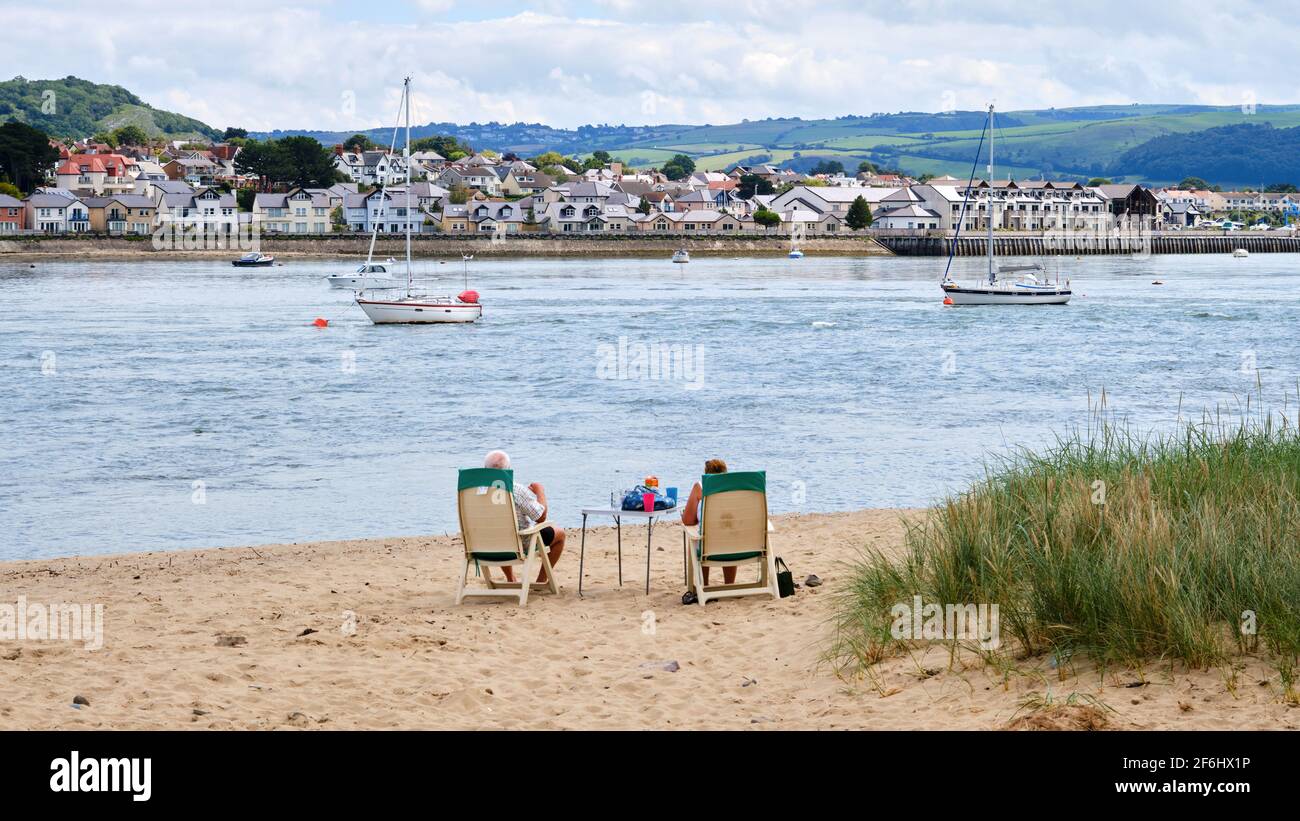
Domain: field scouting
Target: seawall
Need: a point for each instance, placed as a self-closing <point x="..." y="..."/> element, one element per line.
<point x="1172" y="242"/>
<point x="439" y="245"/>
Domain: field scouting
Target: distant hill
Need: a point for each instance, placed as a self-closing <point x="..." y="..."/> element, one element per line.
<point x="1139" y="143"/>
<point x="80" y="108"/>
<point x="1250" y="154"/>
<point x="521" y="138"/>
<point x="1060" y="143"/>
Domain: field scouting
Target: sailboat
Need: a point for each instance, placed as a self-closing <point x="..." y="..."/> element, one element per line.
<point x="1005" y="285"/>
<point x="416" y="307"/>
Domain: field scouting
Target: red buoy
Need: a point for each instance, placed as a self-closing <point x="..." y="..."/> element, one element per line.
<point x="947" y="300"/>
<point x="468" y="296"/>
<point x="321" y="322"/>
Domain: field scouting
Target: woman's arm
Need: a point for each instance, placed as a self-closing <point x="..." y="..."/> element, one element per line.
<point x="689" y="512"/>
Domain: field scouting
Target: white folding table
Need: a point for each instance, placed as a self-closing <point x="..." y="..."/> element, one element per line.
<point x="618" y="515"/>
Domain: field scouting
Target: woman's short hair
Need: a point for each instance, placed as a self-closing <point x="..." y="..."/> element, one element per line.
<point x="715" y="466"/>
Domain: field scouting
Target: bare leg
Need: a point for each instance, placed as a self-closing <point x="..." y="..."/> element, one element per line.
<point x="510" y="574"/>
<point x="557" y="547"/>
<point x="728" y="575"/>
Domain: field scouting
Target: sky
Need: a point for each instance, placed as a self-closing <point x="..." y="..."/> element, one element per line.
<point x="335" y="65"/>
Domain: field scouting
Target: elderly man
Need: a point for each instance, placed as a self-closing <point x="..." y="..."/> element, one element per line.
<point x="530" y="508"/>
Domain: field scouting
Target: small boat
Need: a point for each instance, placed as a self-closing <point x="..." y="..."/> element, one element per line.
<point x="370" y="276"/>
<point x="795" y="253"/>
<point x="681" y="255"/>
<point x="1025" y="289"/>
<point x="1005" y="285"/>
<point x="414" y="307"/>
<point x="1241" y="253"/>
<point x="253" y="260"/>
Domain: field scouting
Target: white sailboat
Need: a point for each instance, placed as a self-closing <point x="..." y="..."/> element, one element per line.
<point x="414" y="307"/>
<point x="1005" y="285"/>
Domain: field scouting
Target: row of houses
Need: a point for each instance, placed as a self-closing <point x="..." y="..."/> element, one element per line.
<point x="949" y="204"/>
<point x="96" y="169"/>
<point x="943" y="204"/>
<point x="58" y="211"/>
<point x="98" y="189"/>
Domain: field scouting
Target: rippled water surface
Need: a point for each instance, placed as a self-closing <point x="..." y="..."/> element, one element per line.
<point x="123" y="384"/>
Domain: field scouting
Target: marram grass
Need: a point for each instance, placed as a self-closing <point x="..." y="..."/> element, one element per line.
<point x="1179" y="547"/>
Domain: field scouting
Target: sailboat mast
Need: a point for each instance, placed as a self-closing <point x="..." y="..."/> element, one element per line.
<point x="992" y="192"/>
<point x="406" y="162"/>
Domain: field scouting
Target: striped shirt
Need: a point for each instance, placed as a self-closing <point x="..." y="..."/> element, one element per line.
<point x="528" y="510"/>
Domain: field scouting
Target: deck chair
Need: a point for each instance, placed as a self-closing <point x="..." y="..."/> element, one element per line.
<point x="733" y="531"/>
<point x="485" y="498"/>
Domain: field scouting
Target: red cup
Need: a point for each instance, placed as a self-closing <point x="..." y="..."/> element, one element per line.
<point x="648" y="502"/>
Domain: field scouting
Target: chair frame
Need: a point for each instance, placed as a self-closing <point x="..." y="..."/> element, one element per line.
<point x="528" y="549"/>
<point x="695" y="539"/>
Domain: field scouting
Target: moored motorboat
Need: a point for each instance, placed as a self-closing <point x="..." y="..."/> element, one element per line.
<point x="1241" y="253"/>
<point x="371" y="275"/>
<point x="681" y="255"/>
<point x="795" y="253"/>
<point x="253" y="260"/>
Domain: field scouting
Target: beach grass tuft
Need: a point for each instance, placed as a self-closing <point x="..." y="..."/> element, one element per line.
<point x="1181" y="546"/>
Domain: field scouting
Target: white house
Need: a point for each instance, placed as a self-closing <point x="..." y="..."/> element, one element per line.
<point x="208" y="208"/>
<point x="57" y="213"/>
<point x="299" y="211"/>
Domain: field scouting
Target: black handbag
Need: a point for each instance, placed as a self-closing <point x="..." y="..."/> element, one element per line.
<point x="784" y="578"/>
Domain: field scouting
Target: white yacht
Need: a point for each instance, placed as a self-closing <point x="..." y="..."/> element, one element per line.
<point x="1005" y="285"/>
<point x="411" y="306"/>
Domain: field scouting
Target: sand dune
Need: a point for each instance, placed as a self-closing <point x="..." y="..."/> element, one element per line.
<point x="363" y="634"/>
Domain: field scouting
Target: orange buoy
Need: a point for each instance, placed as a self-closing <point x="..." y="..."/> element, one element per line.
<point x="321" y="322"/>
<point x="947" y="300"/>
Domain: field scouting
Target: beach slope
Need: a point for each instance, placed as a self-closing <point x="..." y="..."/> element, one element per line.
<point x="364" y="634"/>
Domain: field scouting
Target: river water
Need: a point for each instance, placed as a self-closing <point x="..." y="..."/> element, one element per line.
<point x="173" y="404"/>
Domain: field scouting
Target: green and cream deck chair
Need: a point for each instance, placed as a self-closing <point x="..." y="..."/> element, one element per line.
<point x="488" y="527"/>
<point x="733" y="531"/>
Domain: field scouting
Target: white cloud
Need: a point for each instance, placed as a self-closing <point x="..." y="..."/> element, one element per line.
<point x="291" y="64"/>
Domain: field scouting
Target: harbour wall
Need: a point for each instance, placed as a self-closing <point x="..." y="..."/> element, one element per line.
<point x="1085" y="245"/>
<point x="426" y="245"/>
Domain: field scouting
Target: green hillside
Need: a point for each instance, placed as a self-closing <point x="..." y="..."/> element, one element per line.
<point x="1256" y="154"/>
<point x="76" y="108"/>
<point x="1077" y="143"/>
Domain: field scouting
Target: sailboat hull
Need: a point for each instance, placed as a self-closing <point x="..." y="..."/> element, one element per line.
<point x="1007" y="296"/>
<point x="404" y="312"/>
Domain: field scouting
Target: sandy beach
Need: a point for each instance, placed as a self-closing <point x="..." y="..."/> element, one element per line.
<point x="364" y="634"/>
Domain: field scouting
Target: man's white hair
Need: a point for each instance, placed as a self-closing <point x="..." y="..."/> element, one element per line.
<point x="497" y="459"/>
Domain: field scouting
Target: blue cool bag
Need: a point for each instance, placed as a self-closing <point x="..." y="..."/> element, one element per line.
<point x="632" y="500"/>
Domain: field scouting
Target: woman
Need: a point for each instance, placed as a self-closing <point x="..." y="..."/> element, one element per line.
<point x="694" y="506"/>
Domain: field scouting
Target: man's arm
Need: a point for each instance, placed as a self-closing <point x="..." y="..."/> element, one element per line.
<point x="540" y="493"/>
